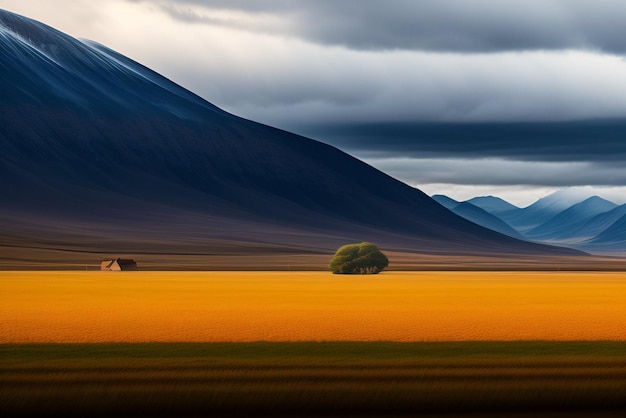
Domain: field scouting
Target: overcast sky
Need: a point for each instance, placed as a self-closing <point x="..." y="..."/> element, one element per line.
<point x="463" y="98"/>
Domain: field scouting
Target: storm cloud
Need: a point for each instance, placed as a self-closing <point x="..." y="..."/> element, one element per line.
<point x="426" y="25"/>
<point x="481" y="171"/>
<point x="600" y="141"/>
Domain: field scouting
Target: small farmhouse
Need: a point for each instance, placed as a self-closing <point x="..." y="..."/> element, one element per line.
<point x="118" y="264"/>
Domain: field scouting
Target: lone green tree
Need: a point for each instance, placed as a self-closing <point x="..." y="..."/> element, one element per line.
<point x="363" y="258"/>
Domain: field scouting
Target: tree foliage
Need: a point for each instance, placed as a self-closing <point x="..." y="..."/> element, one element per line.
<point x="363" y="258"/>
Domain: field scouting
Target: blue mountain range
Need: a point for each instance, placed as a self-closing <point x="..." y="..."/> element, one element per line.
<point x="565" y="218"/>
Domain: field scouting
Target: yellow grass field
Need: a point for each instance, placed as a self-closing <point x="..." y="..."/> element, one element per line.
<point x="310" y="306"/>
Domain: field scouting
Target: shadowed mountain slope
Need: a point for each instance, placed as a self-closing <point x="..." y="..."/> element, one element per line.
<point x="102" y="155"/>
<point x="612" y="239"/>
<point x="599" y="223"/>
<point x="485" y="219"/>
<point x="445" y="201"/>
<point x="541" y="211"/>
<point x="614" y="233"/>
<point x="477" y="215"/>
<point x="566" y="222"/>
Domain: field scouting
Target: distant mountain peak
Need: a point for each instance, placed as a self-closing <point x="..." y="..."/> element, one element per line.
<point x="563" y="199"/>
<point x="492" y="204"/>
<point x="597" y="199"/>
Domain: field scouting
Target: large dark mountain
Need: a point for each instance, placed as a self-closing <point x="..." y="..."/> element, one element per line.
<point x="101" y="154"/>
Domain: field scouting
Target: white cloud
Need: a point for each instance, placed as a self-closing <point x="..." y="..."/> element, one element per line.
<point x="285" y="81"/>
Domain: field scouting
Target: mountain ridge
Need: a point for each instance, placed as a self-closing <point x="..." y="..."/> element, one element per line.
<point x="492" y="204"/>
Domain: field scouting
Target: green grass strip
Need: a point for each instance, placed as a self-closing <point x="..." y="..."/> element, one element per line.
<point x="318" y="350"/>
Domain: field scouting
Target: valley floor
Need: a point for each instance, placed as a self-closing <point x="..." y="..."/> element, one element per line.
<point x="297" y="344"/>
<point x="223" y="255"/>
<point x="92" y="307"/>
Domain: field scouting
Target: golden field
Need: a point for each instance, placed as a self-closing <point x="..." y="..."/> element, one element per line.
<point x="310" y="306"/>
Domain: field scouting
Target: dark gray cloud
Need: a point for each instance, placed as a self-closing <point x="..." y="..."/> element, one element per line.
<point x="500" y="172"/>
<point x="429" y="25"/>
<point x="601" y="141"/>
